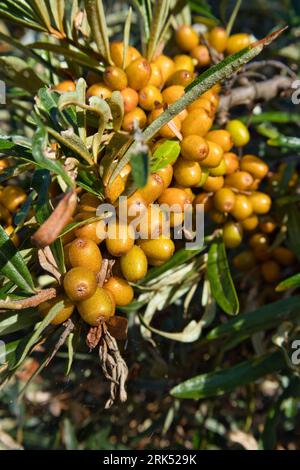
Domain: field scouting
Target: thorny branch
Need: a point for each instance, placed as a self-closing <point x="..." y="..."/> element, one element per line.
<point x="33" y="301"/>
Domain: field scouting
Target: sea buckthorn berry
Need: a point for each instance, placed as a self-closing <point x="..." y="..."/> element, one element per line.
<point x="219" y="170"/>
<point x="101" y="304"/>
<point x="232" y="234"/>
<point x="217" y="38"/>
<point x="213" y="184"/>
<point x="134" y="53"/>
<point x="217" y="216"/>
<point x="224" y="200"/>
<point x="10" y="231"/>
<point x="244" y="261"/>
<point x="188" y="191"/>
<point x="204" y="199"/>
<point x="64" y="313"/>
<point x="187" y="173"/>
<point x="270" y="271"/>
<point x="250" y="223"/>
<point x="155" y="262"/>
<point x="153" y="189"/>
<point x="231" y="161"/>
<point x="12" y="197"/>
<point x="255" y="185"/>
<point x="242" y="207"/>
<point x="237" y="42"/>
<point x="214" y="157"/>
<point x="137" y="115"/>
<point x="114" y="190"/>
<point x="204" y="176"/>
<point x="134" y="264"/>
<point x="258" y="239"/>
<point x="172" y="93"/>
<point x="262" y="253"/>
<point x="222" y="138"/>
<point x="80" y="283"/>
<point x="150" y="97"/>
<point x="186" y="38"/>
<point x="166" y="66"/>
<point x="239" y="132"/>
<point x="115" y="78"/>
<point x="184" y="62"/>
<point x="156" y="78"/>
<point x="95" y="231"/>
<point x="117" y="54"/>
<point x="201" y="55"/>
<point x="4" y="163"/>
<point x="212" y="96"/>
<point x="67" y="85"/>
<point x="88" y="202"/>
<point x="100" y="90"/>
<point x="283" y="255"/>
<point x="135" y="205"/>
<point x="130" y="99"/>
<point x="194" y="148"/>
<point x="203" y="103"/>
<point x="120" y="238"/>
<point x="172" y="196"/>
<point x="152" y="222"/>
<point x="254" y="165"/>
<point x="181" y="78"/>
<point x="85" y="253"/>
<point x="267" y="224"/>
<point x="166" y="175"/>
<point x="240" y="180"/>
<point x="261" y="202"/>
<point x="138" y="73"/>
<point x="159" y="249"/>
<point x="120" y="290"/>
<point x="197" y="122"/>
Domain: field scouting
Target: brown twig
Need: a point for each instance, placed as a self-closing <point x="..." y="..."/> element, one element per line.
<point x="69" y="327"/>
<point x="33" y="301"/>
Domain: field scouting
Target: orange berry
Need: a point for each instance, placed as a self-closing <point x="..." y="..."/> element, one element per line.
<point x="194" y="148"/>
<point x="250" y="223"/>
<point x="270" y="271"/>
<point x="156" y="78"/>
<point x="201" y="55"/>
<point x="237" y="42"/>
<point x="138" y="73"/>
<point x="242" y="207"/>
<point x="254" y="165"/>
<point x="137" y="115"/>
<point x="100" y="90"/>
<point x="197" y="122"/>
<point x="150" y="97"/>
<point x="231" y="162"/>
<point x="130" y="99"/>
<point x="121" y="291"/>
<point x="214" y="157"/>
<point x="172" y="93"/>
<point x="187" y="173"/>
<point x="240" y="180"/>
<point x="222" y="138"/>
<point x="213" y="184"/>
<point x="224" y="200"/>
<point x="261" y="202"/>
<point x="166" y="66"/>
<point x="217" y="38"/>
<point x="186" y="38"/>
<point x="115" y="78"/>
<point x="184" y="62"/>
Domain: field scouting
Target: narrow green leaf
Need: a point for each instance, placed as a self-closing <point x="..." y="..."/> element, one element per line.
<point x="293" y="228"/>
<point x="12" y="264"/>
<point x="166" y="153"/>
<point x="10" y="322"/>
<point x="293" y="281"/>
<point x="16" y="70"/>
<point x="219" y="276"/>
<point x="233" y="16"/>
<point x="96" y="18"/>
<point x="140" y="168"/>
<point x="116" y="105"/>
<point x="226" y="380"/>
<point x="285" y="141"/>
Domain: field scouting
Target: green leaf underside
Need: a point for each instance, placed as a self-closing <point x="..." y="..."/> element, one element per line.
<point x="167" y="153"/>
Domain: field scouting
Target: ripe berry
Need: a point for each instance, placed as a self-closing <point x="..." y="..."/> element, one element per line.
<point x="261" y="202"/>
<point x="186" y="38"/>
<point x="205" y="199"/>
<point x="138" y="73"/>
<point x="120" y="290"/>
<point x="135" y="205"/>
<point x="134" y="264"/>
<point x="88" y="203"/>
<point x="153" y="189"/>
<point x="187" y="173"/>
<point x="156" y="78"/>
<point x="213" y="184"/>
<point x="231" y="161"/>
<point x="117" y="53"/>
<point x="85" y="253"/>
<point x="244" y="261"/>
<point x="114" y="190"/>
<point x="14" y="237"/>
<point x="254" y="165"/>
<point x="172" y="196"/>
<point x="224" y="200"/>
<point x="217" y="38"/>
<point x="100" y="304"/>
<point x="214" y="157"/>
<point x="67" y="85"/>
<point x="172" y="93"/>
<point x="219" y="170"/>
<point x="152" y="222"/>
<point x="267" y="224"/>
<point x="64" y="313"/>
<point x="130" y="99"/>
<point x="150" y="97"/>
<point x="120" y="238"/>
<point x="115" y="78"/>
<point x="79" y="283"/>
<point x="95" y="231"/>
<point x="222" y="138"/>
<point x="12" y="197"/>
<point x="237" y="42"/>
<point x="232" y="234"/>
<point x="240" y="180"/>
<point x="239" y="132"/>
<point x="250" y="223"/>
<point x="197" y="122"/>
<point x="203" y="103"/>
<point x="283" y="255"/>
<point x="184" y="62"/>
<point x="166" y="66"/>
<point x="270" y="271"/>
<point x="201" y="54"/>
<point x="258" y="239"/>
<point x="137" y="115"/>
<point x="166" y="175"/>
<point x="159" y="249"/>
<point x="100" y="90"/>
<point x="217" y="217"/>
<point x="242" y="207"/>
<point x="194" y="148"/>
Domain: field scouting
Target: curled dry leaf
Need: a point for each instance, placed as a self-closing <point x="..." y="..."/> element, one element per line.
<point x="48" y="263"/>
<point x="54" y="225"/>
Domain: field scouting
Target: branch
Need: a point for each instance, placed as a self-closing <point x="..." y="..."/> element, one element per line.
<point x="34" y="301"/>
